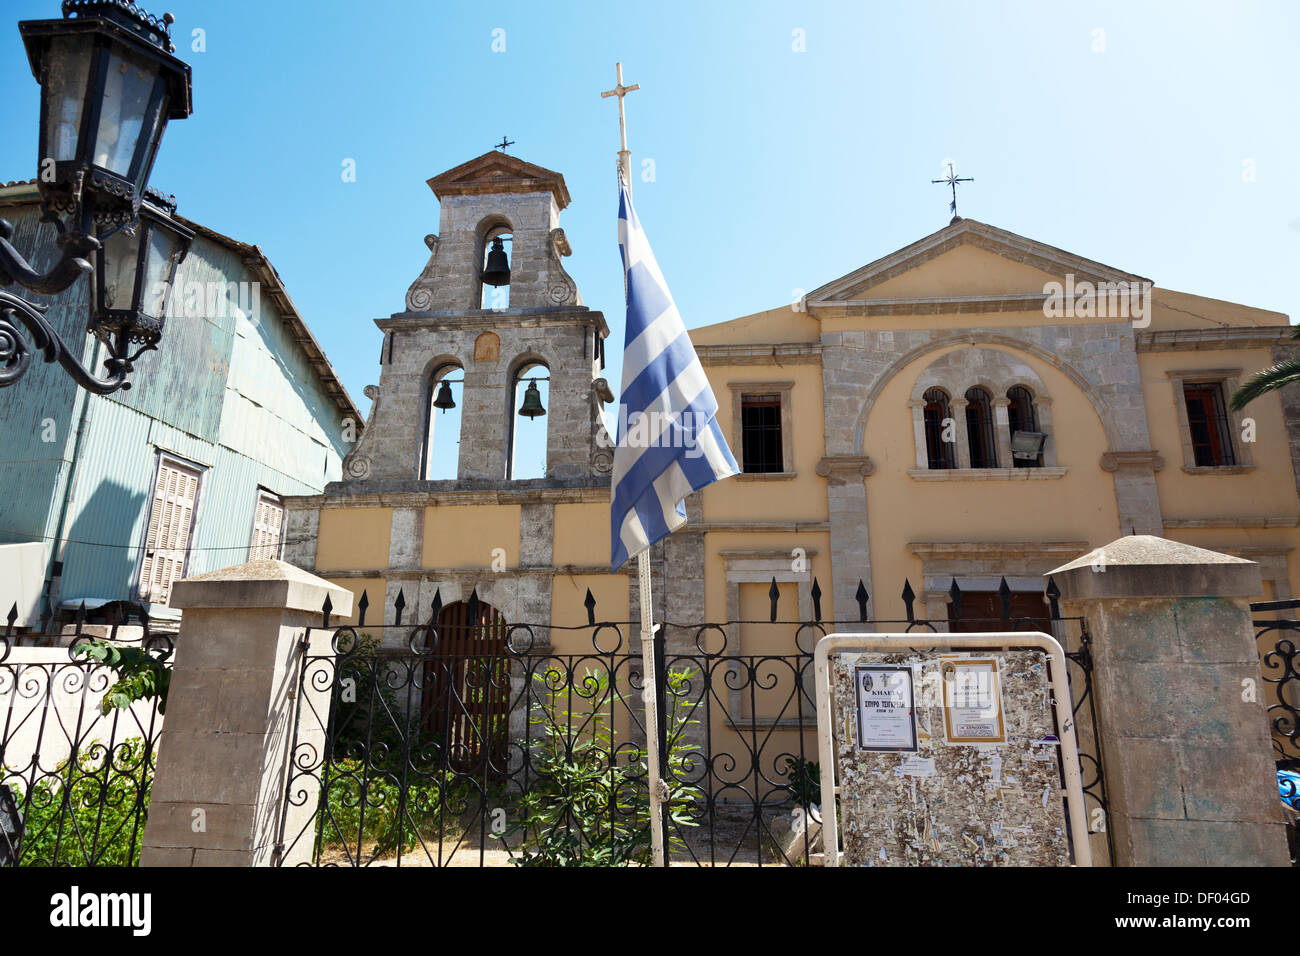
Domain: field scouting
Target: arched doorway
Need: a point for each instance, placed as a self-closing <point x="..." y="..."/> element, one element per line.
<point x="466" y="701"/>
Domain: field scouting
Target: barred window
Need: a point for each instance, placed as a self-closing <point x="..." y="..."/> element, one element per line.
<point x="939" y="453"/>
<point x="979" y="429"/>
<point x="1021" y="417"/>
<point x="1207" y="420"/>
<point x="761" y="433"/>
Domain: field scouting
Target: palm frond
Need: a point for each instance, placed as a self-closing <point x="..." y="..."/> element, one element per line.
<point x="1274" y="377"/>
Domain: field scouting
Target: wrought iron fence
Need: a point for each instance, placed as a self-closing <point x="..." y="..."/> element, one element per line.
<point x="1280" y="668"/>
<point x="466" y="740"/>
<point x="74" y="779"/>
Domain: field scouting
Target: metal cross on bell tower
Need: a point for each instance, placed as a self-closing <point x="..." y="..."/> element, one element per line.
<point x="952" y="179"/>
<point x="624" y="156"/>
<point x="504" y="143"/>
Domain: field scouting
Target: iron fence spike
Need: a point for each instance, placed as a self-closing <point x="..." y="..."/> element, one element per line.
<point x="399" y="605"/>
<point x="774" y="595"/>
<point x="435" y="609"/>
<point x="909" y="596"/>
<point x="1004" y="592"/>
<point x="325" y="611"/>
<point x="862" y="597"/>
<point x="13" y="615"/>
<point x="589" y="602"/>
<point x="361" y="608"/>
<point x="817" y="601"/>
<point x="1053" y="594"/>
<point x="955" y="593"/>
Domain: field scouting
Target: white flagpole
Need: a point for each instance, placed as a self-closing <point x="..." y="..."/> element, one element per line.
<point x="658" y="789"/>
<point x="653" y="773"/>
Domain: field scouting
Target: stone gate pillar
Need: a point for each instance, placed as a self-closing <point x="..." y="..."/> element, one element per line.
<point x="1184" y="735"/>
<point x="223" y="758"/>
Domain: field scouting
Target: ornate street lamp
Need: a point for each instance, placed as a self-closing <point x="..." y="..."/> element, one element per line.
<point x="109" y="84"/>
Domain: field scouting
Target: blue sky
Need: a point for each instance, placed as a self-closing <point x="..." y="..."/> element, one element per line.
<point x="1166" y="144"/>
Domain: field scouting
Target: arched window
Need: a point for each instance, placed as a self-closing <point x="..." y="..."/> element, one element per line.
<point x="526" y="453"/>
<point x="1027" y="450"/>
<point x="979" y="429"/>
<point x="440" y="453"/>
<point x="494" y="282"/>
<point x="939" y="453"/>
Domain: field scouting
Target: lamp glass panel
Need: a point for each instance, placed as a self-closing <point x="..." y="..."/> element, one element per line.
<point x="67" y="68"/>
<point x="158" y="270"/>
<point x="127" y="89"/>
<point x="121" y="253"/>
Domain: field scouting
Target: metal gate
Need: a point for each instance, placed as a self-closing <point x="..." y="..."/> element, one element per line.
<point x="471" y="740"/>
<point x="1280" y="669"/>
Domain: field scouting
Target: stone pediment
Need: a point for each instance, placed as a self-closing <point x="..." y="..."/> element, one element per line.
<point x="497" y="172"/>
<point x="968" y="266"/>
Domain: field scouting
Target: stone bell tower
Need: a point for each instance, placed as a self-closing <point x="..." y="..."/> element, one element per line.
<point x="462" y="319"/>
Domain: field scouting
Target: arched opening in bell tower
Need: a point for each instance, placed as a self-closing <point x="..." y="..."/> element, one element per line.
<point x="529" y="400"/>
<point x="496" y="256"/>
<point x="444" y="398"/>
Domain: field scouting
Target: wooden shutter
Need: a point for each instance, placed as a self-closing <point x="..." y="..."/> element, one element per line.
<point x="268" y="522"/>
<point x="167" y="542"/>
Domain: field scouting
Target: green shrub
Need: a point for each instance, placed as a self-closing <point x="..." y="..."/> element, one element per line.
<point x="91" y="815"/>
<point x="587" y="803"/>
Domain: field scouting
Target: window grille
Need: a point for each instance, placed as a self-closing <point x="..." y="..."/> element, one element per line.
<point x="761" y="433"/>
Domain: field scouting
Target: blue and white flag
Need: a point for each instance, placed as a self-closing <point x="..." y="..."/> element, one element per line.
<point x="669" y="443"/>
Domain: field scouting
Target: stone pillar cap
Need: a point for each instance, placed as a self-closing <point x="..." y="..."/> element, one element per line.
<point x="1144" y="565"/>
<point x="261" y="584"/>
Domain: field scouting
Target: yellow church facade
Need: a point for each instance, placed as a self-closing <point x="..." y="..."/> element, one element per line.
<point x="977" y="406"/>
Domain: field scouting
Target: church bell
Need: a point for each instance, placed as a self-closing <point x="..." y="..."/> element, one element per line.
<point x="444" y="399"/>
<point x="498" y="268"/>
<point x="532" y="406"/>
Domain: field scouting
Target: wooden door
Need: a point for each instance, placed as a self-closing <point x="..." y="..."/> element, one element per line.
<point x="982" y="611"/>
<point x="466" y="703"/>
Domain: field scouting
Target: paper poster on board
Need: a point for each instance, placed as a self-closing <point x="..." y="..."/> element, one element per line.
<point x="886" y="707"/>
<point x="972" y="701"/>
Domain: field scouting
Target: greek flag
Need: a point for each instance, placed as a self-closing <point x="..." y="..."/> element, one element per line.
<point x="669" y="443"/>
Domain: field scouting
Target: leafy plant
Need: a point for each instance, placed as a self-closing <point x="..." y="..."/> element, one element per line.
<point x="90" y="813"/>
<point x="804" y="780"/>
<point x="362" y="808"/>
<point x="584" y="807"/>
<point x="141" y="675"/>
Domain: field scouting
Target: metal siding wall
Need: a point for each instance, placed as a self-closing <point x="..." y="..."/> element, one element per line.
<point x="106" y="517"/>
<point x="114" y="488"/>
<point x="232" y="393"/>
<point x="183" y="381"/>
<point x="32" y="471"/>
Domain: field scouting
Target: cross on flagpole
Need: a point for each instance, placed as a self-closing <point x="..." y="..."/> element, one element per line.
<point x="952" y="179"/>
<point x="624" y="157"/>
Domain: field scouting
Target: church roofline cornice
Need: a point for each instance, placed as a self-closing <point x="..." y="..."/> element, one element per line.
<point x="498" y="172"/>
<point x="1197" y="340"/>
<point x="1009" y="245"/>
